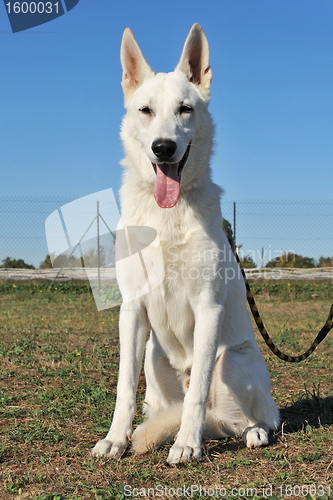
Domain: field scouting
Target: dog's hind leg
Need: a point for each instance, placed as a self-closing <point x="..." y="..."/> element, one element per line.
<point x="243" y="373"/>
<point x="163" y="401"/>
<point x="163" y="384"/>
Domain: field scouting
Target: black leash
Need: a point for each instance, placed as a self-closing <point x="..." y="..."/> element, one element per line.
<point x="291" y="359"/>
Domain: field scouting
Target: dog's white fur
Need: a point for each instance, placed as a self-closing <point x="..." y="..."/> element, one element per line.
<point x="205" y="374"/>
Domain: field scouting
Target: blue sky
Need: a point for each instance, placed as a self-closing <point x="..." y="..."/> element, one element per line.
<point x="61" y="102"/>
<point x="272" y="99"/>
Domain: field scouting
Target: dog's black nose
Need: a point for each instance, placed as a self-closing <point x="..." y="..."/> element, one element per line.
<point x="164" y="149"/>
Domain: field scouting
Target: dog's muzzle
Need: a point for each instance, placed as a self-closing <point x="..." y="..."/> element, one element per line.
<point x="168" y="175"/>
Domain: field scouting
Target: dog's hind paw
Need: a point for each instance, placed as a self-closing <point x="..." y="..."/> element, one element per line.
<point x="255" y="436"/>
<point x="182" y="454"/>
<point x="109" y="450"/>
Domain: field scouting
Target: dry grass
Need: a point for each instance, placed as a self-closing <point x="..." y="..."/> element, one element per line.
<point x="59" y="364"/>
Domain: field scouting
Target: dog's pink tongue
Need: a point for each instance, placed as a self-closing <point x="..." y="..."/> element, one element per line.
<point x="167" y="185"/>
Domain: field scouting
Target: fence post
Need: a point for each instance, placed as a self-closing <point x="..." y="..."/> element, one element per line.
<point x="98" y="256"/>
<point x="262" y="258"/>
<point x="235" y="224"/>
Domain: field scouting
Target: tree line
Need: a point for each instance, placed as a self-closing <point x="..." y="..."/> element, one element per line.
<point x="287" y="259"/>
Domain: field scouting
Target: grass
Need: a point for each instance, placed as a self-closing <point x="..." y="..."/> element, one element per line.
<point x="59" y="365"/>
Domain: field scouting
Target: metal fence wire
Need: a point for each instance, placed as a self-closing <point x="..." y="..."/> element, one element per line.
<point x="267" y="229"/>
<point x="22" y="226"/>
<point x="263" y="229"/>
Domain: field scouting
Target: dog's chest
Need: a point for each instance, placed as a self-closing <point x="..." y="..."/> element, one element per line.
<point x="171" y="306"/>
<point x="172" y="319"/>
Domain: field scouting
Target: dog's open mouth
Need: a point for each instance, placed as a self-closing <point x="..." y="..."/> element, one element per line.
<point x="167" y="182"/>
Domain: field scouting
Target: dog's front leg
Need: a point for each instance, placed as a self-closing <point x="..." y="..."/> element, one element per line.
<point x="208" y="322"/>
<point x="133" y="328"/>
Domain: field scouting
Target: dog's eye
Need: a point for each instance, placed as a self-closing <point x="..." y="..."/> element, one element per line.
<point x="145" y="110"/>
<point x="185" y="108"/>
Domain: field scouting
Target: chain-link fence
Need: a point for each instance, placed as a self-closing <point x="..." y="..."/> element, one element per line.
<point x="268" y="229"/>
<point x="265" y="229"/>
<point x="22" y="226"/>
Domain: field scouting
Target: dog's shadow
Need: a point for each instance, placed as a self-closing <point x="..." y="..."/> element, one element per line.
<point x="311" y="410"/>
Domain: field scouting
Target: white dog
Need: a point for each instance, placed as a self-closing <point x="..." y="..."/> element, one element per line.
<point x="205" y="374"/>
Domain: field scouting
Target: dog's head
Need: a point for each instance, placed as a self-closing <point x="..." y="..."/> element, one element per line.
<point x="167" y="131"/>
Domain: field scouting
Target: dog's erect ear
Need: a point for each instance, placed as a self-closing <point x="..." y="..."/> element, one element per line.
<point x="194" y="61"/>
<point x="135" y="66"/>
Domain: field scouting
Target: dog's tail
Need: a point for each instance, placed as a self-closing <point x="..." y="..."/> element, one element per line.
<point x="163" y="427"/>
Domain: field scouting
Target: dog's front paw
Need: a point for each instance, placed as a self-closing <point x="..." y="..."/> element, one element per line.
<point x="180" y="454"/>
<point x="255" y="436"/>
<point x="108" y="449"/>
